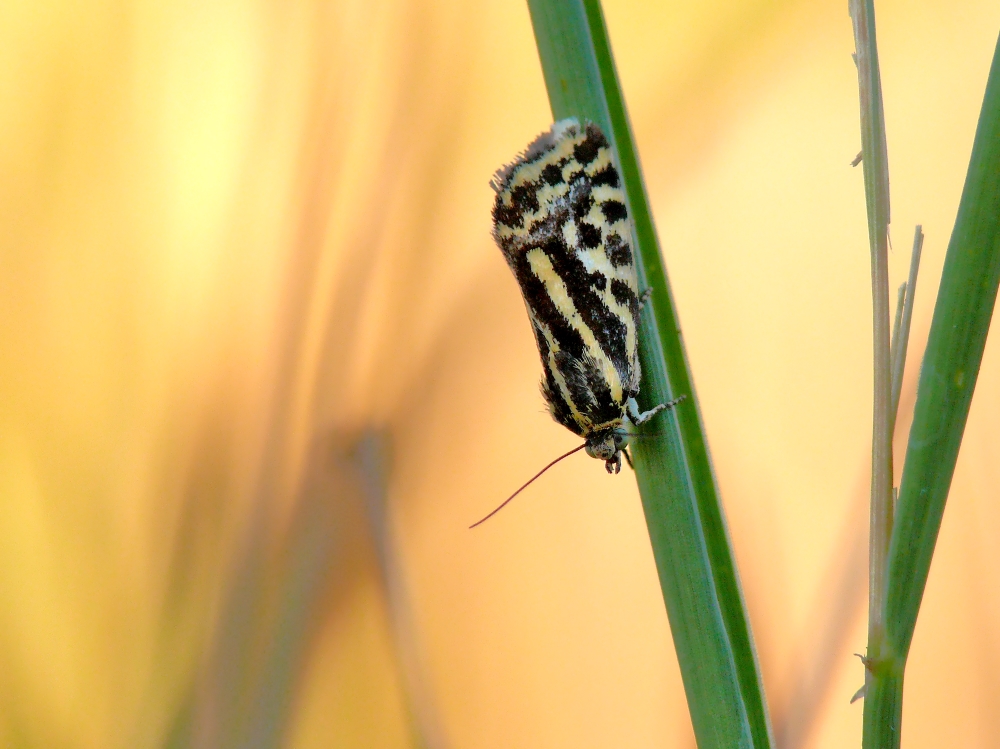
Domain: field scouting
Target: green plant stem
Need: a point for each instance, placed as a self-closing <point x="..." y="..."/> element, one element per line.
<point x="687" y="528"/>
<point x="901" y="341"/>
<point x="962" y="314"/>
<point x="897" y="325"/>
<point x="876" y="172"/>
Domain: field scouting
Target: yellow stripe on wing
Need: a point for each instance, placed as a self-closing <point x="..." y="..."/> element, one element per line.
<point x="541" y="266"/>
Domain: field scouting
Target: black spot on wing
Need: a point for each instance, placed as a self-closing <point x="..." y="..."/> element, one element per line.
<point x="624" y="295"/>
<point x="523" y="200"/>
<point x="608" y="175"/>
<point x="619" y="252"/>
<point x="587" y="150"/>
<point x="590" y="235"/>
<point x="596" y="135"/>
<point x="614" y="210"/>
<point x="552" y="174"/>
<point x="581" y="200"/>
<point x="507" y="216"/>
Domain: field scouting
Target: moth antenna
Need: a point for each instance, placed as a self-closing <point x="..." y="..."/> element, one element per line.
<point x="527" y="484"/>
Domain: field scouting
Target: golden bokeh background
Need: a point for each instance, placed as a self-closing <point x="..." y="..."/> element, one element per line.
<point x="262" y="366"/>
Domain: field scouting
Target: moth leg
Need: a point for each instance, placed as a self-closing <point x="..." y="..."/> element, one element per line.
<point x="614" y="465"/>
<point x="644" y="297"/>
<point x="641" y="417"/>
<point x="628" y="458"/>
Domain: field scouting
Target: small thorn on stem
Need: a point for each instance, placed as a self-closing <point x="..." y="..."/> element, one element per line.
<point x="868" y="662"/>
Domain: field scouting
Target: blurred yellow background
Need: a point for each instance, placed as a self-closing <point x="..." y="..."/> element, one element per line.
<point x="262" y="365"/>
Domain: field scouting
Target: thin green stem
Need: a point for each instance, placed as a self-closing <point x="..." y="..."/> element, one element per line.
<point x="904" y="316"/>
<point x="876" y="171"/>
<point x="897" y="324"/>
<point x="962" y="315"/>
<point x="687" y="528"/>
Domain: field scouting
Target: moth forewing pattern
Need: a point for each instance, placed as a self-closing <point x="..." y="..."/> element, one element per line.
<point x="561" y="219"/>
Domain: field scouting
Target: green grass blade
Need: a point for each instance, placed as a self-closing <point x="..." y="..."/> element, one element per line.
<point x="680" y="497"/>
<point x="962" y="314"/>
<point x="954" y="352"/>
<point x="901" y="342"/>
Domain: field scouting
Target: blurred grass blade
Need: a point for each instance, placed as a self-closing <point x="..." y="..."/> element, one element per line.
<point x="680" y="497"/>
<point x="954" y="352"/>
<point x="371" y="455"/>
<point x="896" y="325"/>
<point x="904" y="316"/>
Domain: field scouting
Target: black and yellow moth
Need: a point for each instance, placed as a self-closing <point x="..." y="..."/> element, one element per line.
<point x="561" y="221"/>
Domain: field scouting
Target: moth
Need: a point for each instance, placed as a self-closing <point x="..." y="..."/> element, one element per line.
<point x="561" y="221"/>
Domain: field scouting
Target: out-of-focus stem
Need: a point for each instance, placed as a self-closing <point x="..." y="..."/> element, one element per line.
<point x="901" y="335"/>
<point x="877" y="199"/>
<point x="876" y="726"/>
<point x="894" y="346"/>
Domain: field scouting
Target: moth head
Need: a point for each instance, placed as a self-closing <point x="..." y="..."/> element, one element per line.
<point x="607" y="445"/>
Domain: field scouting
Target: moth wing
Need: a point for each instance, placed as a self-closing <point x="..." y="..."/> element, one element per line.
<point x="561" y="220"/>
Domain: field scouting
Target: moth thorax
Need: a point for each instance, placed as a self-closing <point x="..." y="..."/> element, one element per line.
<point x="607" y="445"/>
